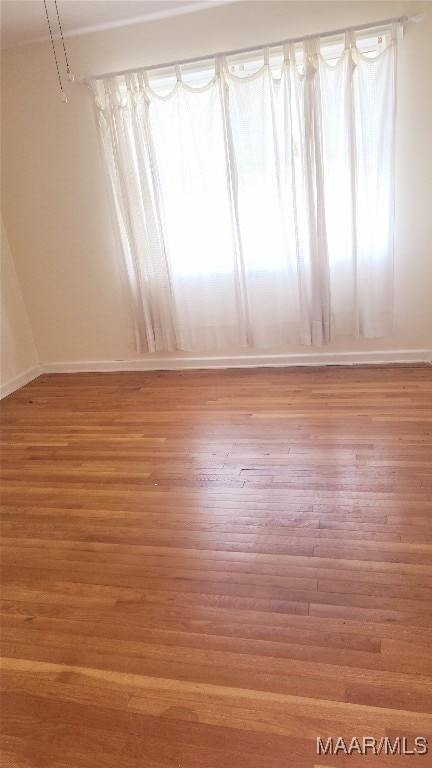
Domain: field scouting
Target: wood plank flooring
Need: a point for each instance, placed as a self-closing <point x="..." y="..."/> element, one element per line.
<point x="211" y="569"/>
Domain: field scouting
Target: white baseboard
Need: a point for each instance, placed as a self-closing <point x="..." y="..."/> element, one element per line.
<point x="20" y="381"/>
<point x="165" y="363"/>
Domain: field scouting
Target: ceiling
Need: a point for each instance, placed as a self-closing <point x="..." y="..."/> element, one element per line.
<point x="24" y="21"/>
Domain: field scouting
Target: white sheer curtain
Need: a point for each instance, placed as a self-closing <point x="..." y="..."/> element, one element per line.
<point x="256" y="210"/>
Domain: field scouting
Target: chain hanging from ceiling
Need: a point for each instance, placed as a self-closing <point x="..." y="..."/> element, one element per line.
<point x="69" y="74"/>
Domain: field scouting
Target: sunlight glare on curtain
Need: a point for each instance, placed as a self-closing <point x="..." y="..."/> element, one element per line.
<point x="255" y="208"/>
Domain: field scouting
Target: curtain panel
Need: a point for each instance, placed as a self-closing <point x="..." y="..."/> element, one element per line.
<point x="255" y="211"/>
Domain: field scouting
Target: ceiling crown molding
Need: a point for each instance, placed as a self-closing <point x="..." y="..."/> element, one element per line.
<point x="161" y="13"/>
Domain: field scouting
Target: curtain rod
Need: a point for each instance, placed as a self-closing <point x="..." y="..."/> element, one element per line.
<point x="238" y="51"/>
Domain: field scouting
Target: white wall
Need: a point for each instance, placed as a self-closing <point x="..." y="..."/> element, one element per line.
<point x="18" y="356"/>
<point x="54" y="200"/>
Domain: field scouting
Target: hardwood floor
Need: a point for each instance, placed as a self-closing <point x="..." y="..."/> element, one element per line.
<point x="211" y="569"/>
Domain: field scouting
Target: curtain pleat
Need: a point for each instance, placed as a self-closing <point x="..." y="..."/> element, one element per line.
<point x="255" y="210"/>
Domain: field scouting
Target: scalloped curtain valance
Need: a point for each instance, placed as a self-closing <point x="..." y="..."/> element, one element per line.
<point x="253" y="204"/>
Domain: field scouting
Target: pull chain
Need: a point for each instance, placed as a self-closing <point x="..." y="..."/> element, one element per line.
<point x="63" y="95"/>
<point x="68" y="69"/>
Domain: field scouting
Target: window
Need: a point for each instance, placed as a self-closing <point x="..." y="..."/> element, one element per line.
<point x="253" y="195"/>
